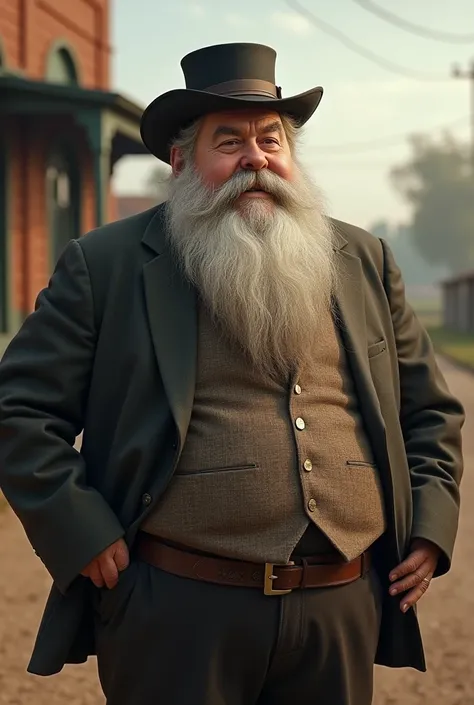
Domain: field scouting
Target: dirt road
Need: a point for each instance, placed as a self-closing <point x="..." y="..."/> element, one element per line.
<point x="447" y="616"/>
<point x="447" y="610"/>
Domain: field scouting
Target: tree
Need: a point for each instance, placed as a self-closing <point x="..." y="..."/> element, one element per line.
<point x="439" y="184"/>
<point x="414" y="266"/>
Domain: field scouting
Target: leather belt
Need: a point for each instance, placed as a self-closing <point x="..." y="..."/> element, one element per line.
<point x="314" y="572"/>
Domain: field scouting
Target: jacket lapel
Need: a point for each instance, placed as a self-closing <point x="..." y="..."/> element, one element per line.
<point x="350" y="307"/>
<point x="172" y="315"/>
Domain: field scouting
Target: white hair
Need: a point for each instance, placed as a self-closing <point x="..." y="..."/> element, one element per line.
<point x="266" y="271"/>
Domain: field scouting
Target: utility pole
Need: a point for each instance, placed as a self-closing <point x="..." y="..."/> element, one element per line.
<point x="469" y="75"/>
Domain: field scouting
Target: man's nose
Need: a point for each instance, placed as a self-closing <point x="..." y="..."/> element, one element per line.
<point x="254" y="159"/>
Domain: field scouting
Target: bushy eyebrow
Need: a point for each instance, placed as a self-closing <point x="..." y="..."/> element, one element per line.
<point x="224" y="130"/>
<point x="274" y="126"/>
<point x="227" y="130"/>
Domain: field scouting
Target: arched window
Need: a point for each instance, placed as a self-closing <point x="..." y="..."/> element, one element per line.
<point x="62" y="200"/>
<point x="61" y="67"/>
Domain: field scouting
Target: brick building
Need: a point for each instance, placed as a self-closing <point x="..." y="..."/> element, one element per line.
<point x="61" y="132"/>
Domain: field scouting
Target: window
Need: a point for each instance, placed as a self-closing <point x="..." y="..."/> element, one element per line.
<point x="61" y="67"/>
<point x="62" y="196"/>
<point x="3" y="241"/>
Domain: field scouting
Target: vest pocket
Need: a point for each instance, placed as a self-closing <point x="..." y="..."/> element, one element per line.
<point x="360" y="464"/>
<point x="223" y="468"/>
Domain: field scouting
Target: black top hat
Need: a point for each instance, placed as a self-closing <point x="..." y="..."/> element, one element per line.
<point x="221" y="77"/>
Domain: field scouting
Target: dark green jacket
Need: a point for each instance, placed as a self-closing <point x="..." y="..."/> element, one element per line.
<point x="111" y="349"/>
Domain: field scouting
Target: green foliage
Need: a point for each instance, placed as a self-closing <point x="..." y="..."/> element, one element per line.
<point x="458" y="346"/>
<point x="438" y="183"/>
<point x="415" y="268"/>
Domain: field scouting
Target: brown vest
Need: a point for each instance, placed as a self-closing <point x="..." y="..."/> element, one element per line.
<point x="263" y="461"/>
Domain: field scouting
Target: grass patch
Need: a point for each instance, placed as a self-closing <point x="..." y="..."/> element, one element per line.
<point x="430" y="319"/>
<point x="428" y="304"/>
<point x="458" y="346"/>
<point x="428" y="311"/>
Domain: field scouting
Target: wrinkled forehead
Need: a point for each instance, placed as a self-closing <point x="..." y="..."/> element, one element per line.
<point x="241" y="122"/>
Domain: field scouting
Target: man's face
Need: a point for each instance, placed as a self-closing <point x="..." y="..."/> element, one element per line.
<point x="252" y="140"/>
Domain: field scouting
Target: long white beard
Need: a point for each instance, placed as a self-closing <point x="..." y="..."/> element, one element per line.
<point x="265" y="271"/>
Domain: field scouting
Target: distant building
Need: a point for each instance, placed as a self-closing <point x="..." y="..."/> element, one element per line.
<point x="126" y="206"/>
<point x="458" y="302"/>
<point x="61" y="132"/>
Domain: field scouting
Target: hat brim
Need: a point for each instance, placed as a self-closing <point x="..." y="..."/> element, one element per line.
<point x="168" y="114"/>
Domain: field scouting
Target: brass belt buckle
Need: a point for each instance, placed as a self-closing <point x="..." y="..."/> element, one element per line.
<point x="268" y="579"/>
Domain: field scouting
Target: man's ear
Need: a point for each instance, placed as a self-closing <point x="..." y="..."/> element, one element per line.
<point x="176" y="161"/>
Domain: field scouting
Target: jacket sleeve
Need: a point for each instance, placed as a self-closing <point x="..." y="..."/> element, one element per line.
<point x="431" y="420"/>
<point x="44" y="379"/>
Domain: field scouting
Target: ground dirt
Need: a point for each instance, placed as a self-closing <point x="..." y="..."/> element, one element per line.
<point x="447" y="616"/>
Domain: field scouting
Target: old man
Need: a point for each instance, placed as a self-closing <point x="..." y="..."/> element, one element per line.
<point x="270" y="468"/>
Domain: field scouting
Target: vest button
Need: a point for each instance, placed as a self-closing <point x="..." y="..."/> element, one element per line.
<point x="308" y="465"/>
<point x="312" y="505"/>
<point x="146" y="499"/>
<point x="300" y="424"/>
<point x="297" y="389"/>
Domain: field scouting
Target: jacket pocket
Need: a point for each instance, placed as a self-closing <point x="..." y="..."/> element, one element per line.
<point x="376" y="349"/>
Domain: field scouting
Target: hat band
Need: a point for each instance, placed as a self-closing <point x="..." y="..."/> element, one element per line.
<point x="246" y="86"/>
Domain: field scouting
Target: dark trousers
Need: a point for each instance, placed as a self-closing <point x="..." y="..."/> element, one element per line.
<point x="165" y="640"/>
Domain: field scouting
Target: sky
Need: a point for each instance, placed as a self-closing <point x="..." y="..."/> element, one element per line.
<point x="361" y="128"/>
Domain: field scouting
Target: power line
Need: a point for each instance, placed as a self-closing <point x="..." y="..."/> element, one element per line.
<point x="469" y="76"/>
<point x="360" y="50"/>
<point x="419" y="30"/>
<point x="369" y="145"/>
<point x="347" y="165"/>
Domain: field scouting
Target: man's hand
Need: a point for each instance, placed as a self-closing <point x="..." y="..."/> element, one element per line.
<point x="415" y="573"/>
<point x="105" y="568"/>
